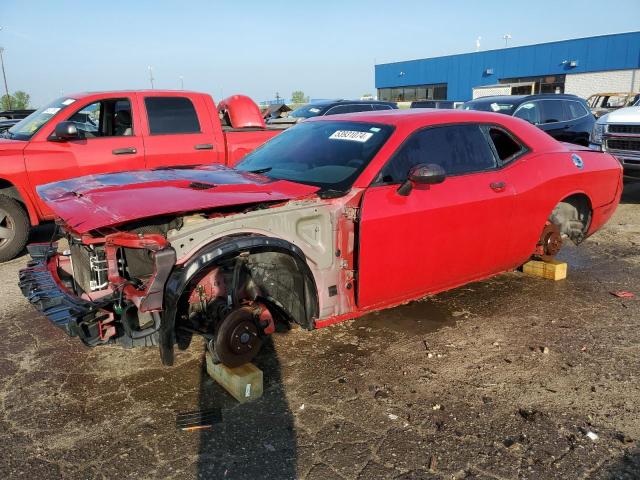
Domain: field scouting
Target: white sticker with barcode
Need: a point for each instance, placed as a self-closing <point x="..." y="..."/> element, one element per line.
<point x="68" y="101"/>
<point x="51" y="111"/>
<point x="351" y="135"/>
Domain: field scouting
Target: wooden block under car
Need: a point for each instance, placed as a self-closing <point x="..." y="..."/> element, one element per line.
<point x="244" y="383"/>
<point x="553" y="269"/>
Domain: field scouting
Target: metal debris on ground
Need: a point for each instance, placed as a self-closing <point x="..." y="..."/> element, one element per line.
<point x="198" y="420"/>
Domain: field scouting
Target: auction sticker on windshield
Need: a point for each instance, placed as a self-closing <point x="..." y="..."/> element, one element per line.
<point x="351" y="135"/>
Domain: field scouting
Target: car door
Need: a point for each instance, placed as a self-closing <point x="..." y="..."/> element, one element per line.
<point x="178" y="131"/>
<point x="110" y="141"/>
<point x="437" y="236"/>
<point x="554" y="120"/>
<point x="581" y="122"/>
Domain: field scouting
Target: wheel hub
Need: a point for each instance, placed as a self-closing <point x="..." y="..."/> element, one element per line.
<point x="551" y="240"/>
<point x="238" y="340"/>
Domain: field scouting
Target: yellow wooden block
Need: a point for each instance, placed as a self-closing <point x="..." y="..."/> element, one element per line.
<point x="244" y="383"/>
<point x="553" y="269"/>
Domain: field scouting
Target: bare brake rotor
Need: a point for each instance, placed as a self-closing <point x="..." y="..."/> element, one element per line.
<point x="550" y="241"/>
<point x="238" y="340"/>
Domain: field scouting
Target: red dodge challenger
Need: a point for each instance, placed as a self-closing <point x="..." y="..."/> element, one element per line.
<point x="336" y="217"/>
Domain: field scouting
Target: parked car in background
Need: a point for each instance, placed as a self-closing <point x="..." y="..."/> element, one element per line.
<point x="603" y="103"/>
<point x="618" y="133"/>
<point x="7" y="124"/>
<point x="566" y="118"/>
<point x="446" y="104"/>
<point x="332" y="107"/>
<point x="338" y="216"/>
<point x="115" y="131"/>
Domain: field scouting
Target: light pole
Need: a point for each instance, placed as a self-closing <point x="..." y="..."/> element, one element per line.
<point x="4" y="75"/>
<point x="151" y="76"/>
<point x="181" y="82"/>
<point x="506" y="37"/>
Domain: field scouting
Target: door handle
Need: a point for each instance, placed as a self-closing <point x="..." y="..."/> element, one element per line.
<point x="124" y="151"/>
<point x="203" y="146"/>
<point x="498" y="186"/>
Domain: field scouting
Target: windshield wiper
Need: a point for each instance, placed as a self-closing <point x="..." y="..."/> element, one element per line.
<point x="260" y="170"/>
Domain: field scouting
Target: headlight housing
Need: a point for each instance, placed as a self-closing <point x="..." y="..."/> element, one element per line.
<point x="596" y="133"/>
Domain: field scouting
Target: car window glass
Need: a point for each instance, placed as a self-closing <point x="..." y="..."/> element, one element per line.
<point x="529" y="111"/>
<point x="506" y="147"/>
<point x="552" y="111"/>
<point x="576" y="110"/>
<point x="106" y="118"/>
<point x="458" y="149"/>
<point x="171" y="115"/>
<point x="381" y="107"/>
<point x="349" y="108"/>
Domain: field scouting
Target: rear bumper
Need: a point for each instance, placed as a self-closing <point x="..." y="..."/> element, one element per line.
<point x="41" y="285"/>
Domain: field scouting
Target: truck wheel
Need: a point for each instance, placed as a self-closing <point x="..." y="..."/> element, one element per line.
<point x="14" y="228"/>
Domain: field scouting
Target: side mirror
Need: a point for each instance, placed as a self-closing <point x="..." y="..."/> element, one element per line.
<point x="422" y="174"/>
<point x="66" y="131"/>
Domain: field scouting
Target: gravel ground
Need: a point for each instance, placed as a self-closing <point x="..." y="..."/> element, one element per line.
<point x="509" y="378"/>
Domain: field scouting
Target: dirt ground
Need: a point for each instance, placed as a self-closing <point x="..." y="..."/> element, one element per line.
<point x="508" y="378"/>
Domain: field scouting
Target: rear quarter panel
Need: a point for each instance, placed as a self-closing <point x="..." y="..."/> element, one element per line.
<point x="544" y="179"/>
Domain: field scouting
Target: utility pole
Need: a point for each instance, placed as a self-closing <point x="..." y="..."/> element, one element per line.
<point x="4" y="76"/>
<point x="181" y="82"/>
<point x="506" y="37"/>
<point x="277" y="97"/>
<point x="151" y="76"/>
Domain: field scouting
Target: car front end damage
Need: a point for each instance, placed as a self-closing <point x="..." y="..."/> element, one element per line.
<point x="91" y="291"/>
<point x="229" y="276"/>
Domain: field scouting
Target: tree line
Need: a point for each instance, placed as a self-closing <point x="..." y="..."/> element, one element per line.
<point x="18" y="101"/>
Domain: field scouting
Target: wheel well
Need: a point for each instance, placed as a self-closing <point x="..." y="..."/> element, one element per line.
<point x="573" y="216"/>
<point x="8" y="189"/>
<point x="278" y="269"/>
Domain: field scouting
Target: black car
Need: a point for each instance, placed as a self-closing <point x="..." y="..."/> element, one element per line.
<point x="333" y="107"/>
<point x="566" y="118"/>
<point x="446" y="104"/>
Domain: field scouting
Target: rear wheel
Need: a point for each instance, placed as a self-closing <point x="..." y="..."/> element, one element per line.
<point x="14" y="228"/>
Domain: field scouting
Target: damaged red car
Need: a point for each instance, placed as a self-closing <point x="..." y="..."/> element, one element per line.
<point x="336" y="217"/>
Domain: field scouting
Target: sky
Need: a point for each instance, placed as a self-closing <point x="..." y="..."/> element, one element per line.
<point x="326" y="48"/>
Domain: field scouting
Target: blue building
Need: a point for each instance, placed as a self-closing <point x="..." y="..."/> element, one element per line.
<point x="582" y="66"/>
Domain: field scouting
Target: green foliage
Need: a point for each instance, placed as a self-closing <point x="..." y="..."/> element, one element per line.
<point x="18" y="101"/>
<point x="298" y="97"/>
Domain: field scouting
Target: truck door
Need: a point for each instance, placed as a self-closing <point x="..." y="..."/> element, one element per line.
<point x="179" y="130"/>
<point x="109" y="141"/>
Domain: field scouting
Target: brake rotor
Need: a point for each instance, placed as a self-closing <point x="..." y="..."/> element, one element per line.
<point x="238" y="341"/>
<point x="551" y="240"/>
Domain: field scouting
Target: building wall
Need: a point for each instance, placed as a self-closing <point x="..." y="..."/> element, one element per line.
<point x="586" y="84"/>
<point x="465" y="71"/>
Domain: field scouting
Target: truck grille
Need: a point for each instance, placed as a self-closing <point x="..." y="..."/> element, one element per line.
<point x="632" y="129"/>
<point x="624" y="144"/>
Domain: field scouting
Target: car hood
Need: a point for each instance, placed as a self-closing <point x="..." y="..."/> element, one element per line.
<point x="98" y="201"/>
<point x="622" y="115"/>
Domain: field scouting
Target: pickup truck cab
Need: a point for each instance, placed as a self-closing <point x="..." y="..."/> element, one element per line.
<point x="93" y="133"/>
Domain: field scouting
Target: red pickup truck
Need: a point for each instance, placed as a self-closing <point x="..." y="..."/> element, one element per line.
<point x="104" y="132"/>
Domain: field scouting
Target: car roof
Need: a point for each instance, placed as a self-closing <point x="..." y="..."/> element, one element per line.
<point x="523" y="98"/>
<point x="326" y="103"/>
<point x="409" y="120"/>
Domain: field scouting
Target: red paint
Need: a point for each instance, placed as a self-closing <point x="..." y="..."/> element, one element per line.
<point x="106" y="200"/>
<point x="28" y="164"/>
<point x="242" y="111"/>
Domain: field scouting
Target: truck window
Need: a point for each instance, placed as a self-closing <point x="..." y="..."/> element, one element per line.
<point x="169" y="115"/>
<point x="106" y="118"/>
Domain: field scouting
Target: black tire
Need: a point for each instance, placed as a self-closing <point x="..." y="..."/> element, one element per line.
<point x="14" y="228"/>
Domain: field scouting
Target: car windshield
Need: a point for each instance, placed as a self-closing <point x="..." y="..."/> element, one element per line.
<point x="307" y="111"/>
<point x="27" y="127"/>
<point x="329" y="155"/>
<point x="500" y="107"/>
